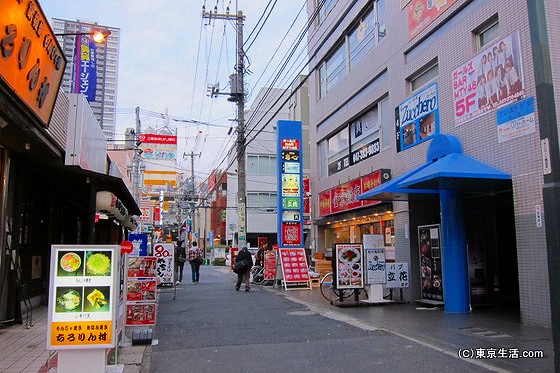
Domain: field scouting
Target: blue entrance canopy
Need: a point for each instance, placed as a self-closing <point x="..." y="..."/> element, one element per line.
<point x="447" y="168"/>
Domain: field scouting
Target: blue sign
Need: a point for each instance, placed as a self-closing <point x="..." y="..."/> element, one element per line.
<point x="140" y="243"/>
<point x="84" y="72"/>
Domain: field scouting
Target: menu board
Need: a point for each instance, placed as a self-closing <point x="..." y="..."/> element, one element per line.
<point x="83" y="298"/>
<point x="349" y="266"/>
<point x="294" y="264"/>
<point x="141" y="290"/>
<point x="142" y="266"/>
<point x="270" y="264"/>
<point x="375" y="266"/>
<point x="165" y="266"/>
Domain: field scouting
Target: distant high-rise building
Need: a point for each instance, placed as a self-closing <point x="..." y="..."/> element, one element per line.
<point x="103" y="99"/>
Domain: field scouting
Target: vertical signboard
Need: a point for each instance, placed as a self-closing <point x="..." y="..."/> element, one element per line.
<point x="430" y="262"/>
<point x="141" y="291"/>
<point x="165" y="270"/>
<point x="349" y="266"/>
<point x="294" y="266"/>
<point x="83" y="296"/>
<point x="290" y="184"/>
<point x="84" y="74"/>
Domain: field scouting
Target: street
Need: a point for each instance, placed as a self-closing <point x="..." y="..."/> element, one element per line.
<point x="212" y="328"/>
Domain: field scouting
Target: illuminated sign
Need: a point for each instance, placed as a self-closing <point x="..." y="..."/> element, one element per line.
<point x="32" y="62"/>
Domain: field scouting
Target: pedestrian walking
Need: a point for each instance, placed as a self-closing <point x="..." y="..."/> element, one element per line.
<point x="259" y="256"/>
<point x="243" y="276"/>
<point x="181" y="256"/>
<point x="195" y="260"/>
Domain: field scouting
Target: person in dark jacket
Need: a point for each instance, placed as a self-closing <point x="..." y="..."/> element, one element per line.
<point x="243" y="277"/>
<point x="181" y="258"/>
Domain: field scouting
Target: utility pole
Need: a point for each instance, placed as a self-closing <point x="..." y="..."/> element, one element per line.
<point x="193" y="197"/>
<point x="238" y="95"/>
<point x="136" y="160"/>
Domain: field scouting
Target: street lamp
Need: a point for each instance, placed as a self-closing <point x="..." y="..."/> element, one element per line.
<point x="97" y="36"/>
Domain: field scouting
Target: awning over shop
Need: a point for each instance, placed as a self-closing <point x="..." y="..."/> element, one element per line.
<point x="447" y="168"/>
<point x="80" y="181"/>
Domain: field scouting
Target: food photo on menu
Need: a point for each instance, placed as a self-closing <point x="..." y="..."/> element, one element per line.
<point x="98" y="263"/>
<point x="68" y="299"/>
<point x="97" y="299"/>
<point x="70" y="263"/>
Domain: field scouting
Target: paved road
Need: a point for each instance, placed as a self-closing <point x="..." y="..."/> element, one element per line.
<point x="212" y="328"/>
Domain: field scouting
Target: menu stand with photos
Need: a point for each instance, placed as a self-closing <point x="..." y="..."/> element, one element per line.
<point x="83" y="302"/>
<point x="295" y="271"/>
<point x="349" y="272"/>
<point x="165" y="268"/>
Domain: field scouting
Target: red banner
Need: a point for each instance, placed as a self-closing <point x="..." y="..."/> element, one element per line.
<point x="294" y="265"/>
<point x="291" y="233"/>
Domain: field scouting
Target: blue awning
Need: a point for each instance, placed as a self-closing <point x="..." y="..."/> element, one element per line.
<point x="447" y="168"/>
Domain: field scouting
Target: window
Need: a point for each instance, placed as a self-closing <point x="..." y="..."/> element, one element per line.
<point x="425" y="76"/>
<point x="488" y="32"/>
<point x="336" y="66"/>
<point x="325" y="7"/>
<point x="338" y="151"/>
<point x="264" y="165"/>
<point x="368" y="30"/>
<point x="262" y="201"/>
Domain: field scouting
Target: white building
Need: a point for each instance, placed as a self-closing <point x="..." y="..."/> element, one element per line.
<point x="105" y="102"/>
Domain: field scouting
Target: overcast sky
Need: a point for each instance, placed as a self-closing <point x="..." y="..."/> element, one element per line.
<point x="169" y="54"/>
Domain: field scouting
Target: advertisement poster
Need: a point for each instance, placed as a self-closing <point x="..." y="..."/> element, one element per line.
<point x="417" y="118"/>
<point x="397" y="275"/>
<point x="421" y="13"/>
<point x="489" y="81"/>
<point x="140" y="314"/>
<point x="430" y="262"/>
<point x="376" y="265"/>
<point x="83" y="296"/>
<point x="516" y="120"/>
<point x="143" y="266"/>
<point x="294" y="265"/>
<point x="349" y="266"/>
<point x="165" y="267"/>
<point x="270" y="264"/>
<point x="291" y="233"/>
<point x="141" y="289"/>
<point x="85" y="68"/>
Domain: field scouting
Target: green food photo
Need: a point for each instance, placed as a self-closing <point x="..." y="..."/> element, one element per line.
<point x="98" y="264"/>
<point x="69" y="301"/>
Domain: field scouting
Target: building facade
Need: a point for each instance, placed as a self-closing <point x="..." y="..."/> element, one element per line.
<point x="103" y="63"/>
<point x="400" y="87"/>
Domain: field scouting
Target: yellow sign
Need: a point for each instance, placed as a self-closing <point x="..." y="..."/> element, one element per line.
<point x="81" y="333"/>
<point x="31" y="61"/>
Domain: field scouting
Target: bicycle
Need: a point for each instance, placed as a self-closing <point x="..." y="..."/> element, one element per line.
<point x="257" y="274"/>
<point x="329" y="291"/>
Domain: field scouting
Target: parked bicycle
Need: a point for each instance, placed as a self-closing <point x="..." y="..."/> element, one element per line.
<point x="257" y="275"/>
<point x="331" y="293"/>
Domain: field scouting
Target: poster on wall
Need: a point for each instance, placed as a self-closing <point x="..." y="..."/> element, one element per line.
<point x="421" y="13"/>
<point x="488" y="81"/>
<point x="430" y="262"/>
<point x="516" y="120"/>
<point x="165" y="266"/>
<point x="83" y="296"/>
<point x="417" y="118"/>
<point x="349" y="266"/>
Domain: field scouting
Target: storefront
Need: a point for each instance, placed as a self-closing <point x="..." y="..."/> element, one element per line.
<point x="344" y="219"/>
<point x="457" y="202"/>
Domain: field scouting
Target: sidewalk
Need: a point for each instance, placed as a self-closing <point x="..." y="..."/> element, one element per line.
<point x="23" y="350"/>
<point x="495" y="336"/>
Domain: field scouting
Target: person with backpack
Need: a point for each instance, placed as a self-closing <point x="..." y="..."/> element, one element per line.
<point x="243" y="276"/>
<point x="195" y="260"/>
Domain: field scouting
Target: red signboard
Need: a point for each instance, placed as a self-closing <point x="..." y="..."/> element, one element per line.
<point x="294" y="265"/>
<point x="291" y="233"/>
<point x="141" y="314"/>
<point x="344" y="197"/>
<point x="270" y="264"/>
<point x="421" y="13"/>
<point x="157" y="139"/>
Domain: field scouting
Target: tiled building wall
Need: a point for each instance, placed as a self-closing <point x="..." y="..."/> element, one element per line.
<point x="451" y="40"/>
